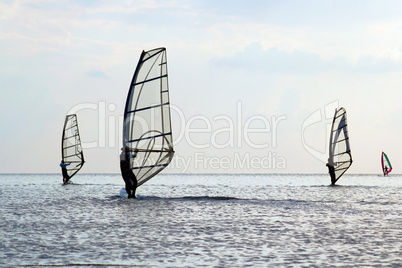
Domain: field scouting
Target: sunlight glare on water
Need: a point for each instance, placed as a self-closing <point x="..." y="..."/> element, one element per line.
<point x="201" y="220"/>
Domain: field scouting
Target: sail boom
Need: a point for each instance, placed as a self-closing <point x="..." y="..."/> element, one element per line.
<point x="347" y="152"/>
<point x="341" y="168"/>
<point x="73" y="162"/>
<point x="160" y="165"/>
<point x="153" y="151"/>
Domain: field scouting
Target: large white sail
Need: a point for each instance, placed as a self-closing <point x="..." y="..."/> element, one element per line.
<point x="72" y="157"/>
<point x="340" y="157"/>
<point x="147" y="128"/>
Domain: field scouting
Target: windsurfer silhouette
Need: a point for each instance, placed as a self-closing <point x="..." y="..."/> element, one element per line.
<point x="386" y="171"/>
<point x="126" y="172"/>
<point x="331" y="171"/>
<point x="64" y="172"/>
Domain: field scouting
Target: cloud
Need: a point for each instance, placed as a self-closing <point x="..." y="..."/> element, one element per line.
<point x="131" y="7"/>
<point x="273" y="60"/>
<point x="96" y="74"/>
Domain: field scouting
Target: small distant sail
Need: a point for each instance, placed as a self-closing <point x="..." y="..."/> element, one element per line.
<point x="340" y="157"/>
<point x="147" y="130"/>
<point x="72" y="157"/>
<point x="386" y="164"/>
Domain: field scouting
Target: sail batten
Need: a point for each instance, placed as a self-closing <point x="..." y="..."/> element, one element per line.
<point x="72" y="157"/>
<point x="147" y="127"/>
<point x="339" y="141"/>
<point x="146" y="81"/>
<point x="68" y="147"/>
<point x="152" y="137"/>
<point x="338" y="129"/>
<point x="150" y="107"/>
<point x="340" y="157"/>
<point x="73" y="126"/>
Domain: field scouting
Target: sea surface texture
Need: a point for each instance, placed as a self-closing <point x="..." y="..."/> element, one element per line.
<point x="183" y="220"/>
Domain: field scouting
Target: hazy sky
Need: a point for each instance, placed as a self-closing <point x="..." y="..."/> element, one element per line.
<point x="253" y="84"/>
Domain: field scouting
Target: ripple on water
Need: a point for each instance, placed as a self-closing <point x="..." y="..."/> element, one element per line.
<point x="181" y="221"/>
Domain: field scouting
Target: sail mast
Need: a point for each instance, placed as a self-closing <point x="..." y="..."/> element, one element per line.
<point x="331" y="154"/>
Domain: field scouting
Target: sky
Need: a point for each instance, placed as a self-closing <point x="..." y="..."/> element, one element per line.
<point x="253" y="84"/>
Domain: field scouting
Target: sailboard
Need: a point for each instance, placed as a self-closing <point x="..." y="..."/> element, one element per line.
<point x="72" y="157"/>
<point x="340" y="157"/>
<point x="386" y="164"/>
<point x="147" y="131"/>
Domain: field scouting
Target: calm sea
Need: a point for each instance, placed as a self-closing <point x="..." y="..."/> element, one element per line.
<point x="201" y="220"/>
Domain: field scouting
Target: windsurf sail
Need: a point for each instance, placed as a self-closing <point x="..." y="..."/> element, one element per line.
<point x="147" y="131"/>
<point x="340" y="157"/>
<point x="386" y="164"/>
<point x="72" y="157"/>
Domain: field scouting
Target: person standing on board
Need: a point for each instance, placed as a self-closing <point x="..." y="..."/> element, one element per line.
<point x="331" y="171"/>
<point x="126" y="172"/>
<point x="386" y="171"/>
<point x="64" y="172"/>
